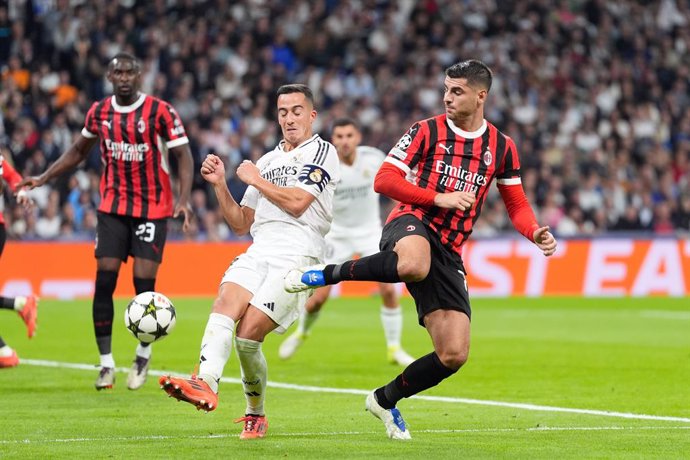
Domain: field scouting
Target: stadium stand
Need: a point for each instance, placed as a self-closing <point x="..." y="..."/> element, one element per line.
<point x="596" y="94"/>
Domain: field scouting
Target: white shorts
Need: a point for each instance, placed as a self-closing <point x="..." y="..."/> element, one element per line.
<point x="340" y="248"/>
<point x="262" y="274"/>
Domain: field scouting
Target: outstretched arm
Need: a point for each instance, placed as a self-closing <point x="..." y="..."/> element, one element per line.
<point x="522" y="217"/>
<point x="68" y="161"/>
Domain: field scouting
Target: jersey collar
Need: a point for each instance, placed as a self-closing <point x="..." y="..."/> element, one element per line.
<point x="128" y="108"/>
<point x="467" y="134"/>
<point x="281" y="144"/>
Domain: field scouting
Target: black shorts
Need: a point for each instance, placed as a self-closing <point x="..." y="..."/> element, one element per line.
<point x="121" y="236"/>
<point x="445" y="287"/>
<point x="3" y="237"/>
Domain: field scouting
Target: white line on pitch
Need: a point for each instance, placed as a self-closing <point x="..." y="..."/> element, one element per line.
<point x="315" y="389"/>
<point x="665" y="314"/>
<point x="341" y="433"/>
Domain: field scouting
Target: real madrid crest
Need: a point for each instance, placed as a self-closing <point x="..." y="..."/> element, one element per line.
<point x="488" y="157"/>
<point x="315" y="176"/>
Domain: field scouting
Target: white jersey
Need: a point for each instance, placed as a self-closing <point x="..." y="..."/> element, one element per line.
<point x="312" y="166"/>
<point x="356" y="209"/>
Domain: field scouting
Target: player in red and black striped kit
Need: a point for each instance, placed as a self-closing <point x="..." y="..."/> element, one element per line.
<point x="136" y="133"/>
<point x="26" y="307"/>
<point x="452" y="158"/>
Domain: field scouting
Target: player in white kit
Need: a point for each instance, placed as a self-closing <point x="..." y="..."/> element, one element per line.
<point x="355" y="231"/>
<point x="288" y="208"/>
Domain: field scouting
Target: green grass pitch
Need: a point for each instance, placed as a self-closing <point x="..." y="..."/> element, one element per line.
<point x="612" y="361"/>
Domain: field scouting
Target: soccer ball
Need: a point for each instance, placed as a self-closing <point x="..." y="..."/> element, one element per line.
<point x="150" y="316"/>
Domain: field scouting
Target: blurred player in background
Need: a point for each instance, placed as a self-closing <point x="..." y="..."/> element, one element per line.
<point x="136" y="133"/>
<point x="288" y="208"/>
<point x="454" y="157"/>
<point x="26" y="307"/>
<point x="355" y="231"/>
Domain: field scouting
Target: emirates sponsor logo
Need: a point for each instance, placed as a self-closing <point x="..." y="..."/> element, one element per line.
<point x="458" y="178"/>
<point x="125" y="151"/>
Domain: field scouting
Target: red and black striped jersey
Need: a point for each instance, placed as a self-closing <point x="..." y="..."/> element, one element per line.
<point x="134" y="149"/>
<point x="10" y="176"/>
<point x="437" y="155"/>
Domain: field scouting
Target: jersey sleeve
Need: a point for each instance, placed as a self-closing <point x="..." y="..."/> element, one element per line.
<point x="509" y="171"/>
<point x="322" y="168"/>
<point x="171" y="128"/>
<point x="9" y="174"/>
<point x="250" y="198"/>
<point x="407" y="152"/>
<point x="90" y="129"/>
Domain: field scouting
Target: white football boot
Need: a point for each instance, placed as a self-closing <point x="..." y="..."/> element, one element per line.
<point x="291" y="344"/>
<point x="391" y="418"/>
<point x="396" y="355"/>
<point x="137" y="373"/>
<point x="106" y="378"/>
<point x="303" y="278"/>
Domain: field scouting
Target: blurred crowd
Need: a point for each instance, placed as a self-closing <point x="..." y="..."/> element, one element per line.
<point x="595" y="93"/>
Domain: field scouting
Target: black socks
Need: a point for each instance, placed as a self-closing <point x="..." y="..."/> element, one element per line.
<point x="382" y="267"/>
<point x="424" y="373"/>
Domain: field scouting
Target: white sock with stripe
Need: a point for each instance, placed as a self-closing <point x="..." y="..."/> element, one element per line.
<point x="254" y="374"/>
<point x="215" y="348"/>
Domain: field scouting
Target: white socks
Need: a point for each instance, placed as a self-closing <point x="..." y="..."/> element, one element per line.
<point x="144" y="351"/>
<point x="392" y="321"/>
<point x="215" y="348"/>
<point x="254" y="374"/>
<point x="19" y="302"/>
<point x="107" y="360"/>
<point x="306" y="322"/>
<point x="5" y="351"/>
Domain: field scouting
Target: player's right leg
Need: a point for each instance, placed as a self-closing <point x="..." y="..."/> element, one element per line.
<point x="405" y="256"/>
<point x="112" y="248"/>
<point x="305" y="323"/>
<point x="216" y="344"/>
<point x="8" y="357"/>
<point x="103" y="312"/>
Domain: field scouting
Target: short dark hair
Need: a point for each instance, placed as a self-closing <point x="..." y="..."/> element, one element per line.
<point x="475" y="71"/>
<point x="297" y="88"/>
<point x="345" y="121"/>
<point x="124" y="56"/>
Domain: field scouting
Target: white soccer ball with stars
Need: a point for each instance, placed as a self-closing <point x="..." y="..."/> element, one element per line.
<point x="150" y="316"/>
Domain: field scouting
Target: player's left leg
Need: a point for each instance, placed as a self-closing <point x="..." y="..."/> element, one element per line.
<point x="251" y="330"/>
<point x="146" y="245"/>
<point x="26" y="308"/>
<point x="450" y="334"/>
<point x="392" y="322"/>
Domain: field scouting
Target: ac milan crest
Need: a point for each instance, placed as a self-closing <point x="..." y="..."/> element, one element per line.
<point x="488" y="157"/>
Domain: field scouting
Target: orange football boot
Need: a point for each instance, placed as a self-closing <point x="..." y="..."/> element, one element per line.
<point x="194" y="391"/>
<point x="29" y="314"/>
<point x="9" y="361"/>
<point x="255" y="426"/>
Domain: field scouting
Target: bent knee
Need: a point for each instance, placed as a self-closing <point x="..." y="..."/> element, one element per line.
<point x="453" y="359"/>
<point x="411" y="270"/>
